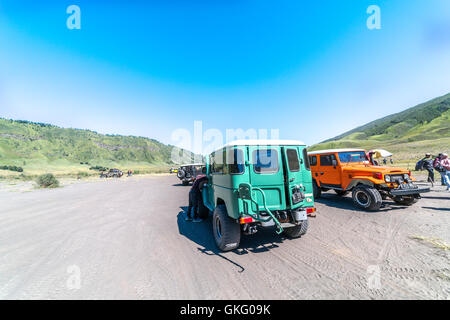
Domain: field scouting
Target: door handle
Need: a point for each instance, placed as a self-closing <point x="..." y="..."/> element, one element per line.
<point x="291" y="179"/>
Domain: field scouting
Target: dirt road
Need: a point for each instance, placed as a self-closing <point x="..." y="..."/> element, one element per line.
<point x="126" y="238"/>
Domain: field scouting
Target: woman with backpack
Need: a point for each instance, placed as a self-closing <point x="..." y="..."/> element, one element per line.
<point x="438" y="167"/>
<point x="445" y="163"/>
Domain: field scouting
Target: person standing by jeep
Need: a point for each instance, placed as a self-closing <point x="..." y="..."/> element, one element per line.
<point x="195" y="196"/>
<point x="427" y="164"/>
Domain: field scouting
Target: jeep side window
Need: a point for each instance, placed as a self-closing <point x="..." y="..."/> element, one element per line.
<point x="327" y="159"/>
<point x="306" y="159"/>
<point x="313" y="160"/>
<point x="292" y="158"/>
<point x="235" y="161"/>
<point x="218" y="163"/>
<point x="265" y="161"/>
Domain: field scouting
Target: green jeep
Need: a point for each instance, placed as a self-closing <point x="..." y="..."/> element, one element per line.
<point x="258" y="183"/>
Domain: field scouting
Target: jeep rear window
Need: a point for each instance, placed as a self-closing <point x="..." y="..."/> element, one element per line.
<point x="355" y="156"/>
<point x="235" y="161"/>
<point x="265" y="161"/>
<point x="292" y="158"/>
<point x="313" y="160"/>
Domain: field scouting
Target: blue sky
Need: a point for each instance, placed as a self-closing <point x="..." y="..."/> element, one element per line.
<point x="311" y="70"/>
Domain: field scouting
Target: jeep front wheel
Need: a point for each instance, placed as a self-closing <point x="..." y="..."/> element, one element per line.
<point x="297" y="231"/>
<point x="367" y="197"/>
<point x="227" y="233"/>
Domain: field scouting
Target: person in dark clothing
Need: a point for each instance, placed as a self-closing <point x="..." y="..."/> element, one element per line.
<point x="195" y="196"/>
<point x="427" y="164"/>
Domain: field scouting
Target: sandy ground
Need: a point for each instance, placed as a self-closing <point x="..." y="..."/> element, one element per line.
<point x="127" y="239"/>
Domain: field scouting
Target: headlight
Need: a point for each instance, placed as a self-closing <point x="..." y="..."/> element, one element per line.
<point x="387" y="178"/>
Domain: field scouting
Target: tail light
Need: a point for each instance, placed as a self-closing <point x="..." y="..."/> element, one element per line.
<point x="245" y="220"/>
<point x="310" y="210"/>
<point x="378" y="175"/>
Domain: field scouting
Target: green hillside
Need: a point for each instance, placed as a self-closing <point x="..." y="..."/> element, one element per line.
<point x="38" y="148"/>
<point x="408" y="134"/>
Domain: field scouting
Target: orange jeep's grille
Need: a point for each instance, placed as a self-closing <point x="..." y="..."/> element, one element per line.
<point x="396" y="177"/>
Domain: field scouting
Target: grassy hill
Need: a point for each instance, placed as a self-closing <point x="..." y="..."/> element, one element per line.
<point x="407" y="134"/>
<point x="39" y="148"/>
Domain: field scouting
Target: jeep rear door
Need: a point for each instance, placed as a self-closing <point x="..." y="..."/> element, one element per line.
<point x="292" y="167"/>
<point x="266" y="173"/>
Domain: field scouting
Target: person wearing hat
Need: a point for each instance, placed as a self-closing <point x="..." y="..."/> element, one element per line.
<point x="427" y="164"/>
<point x="445" y="163"/>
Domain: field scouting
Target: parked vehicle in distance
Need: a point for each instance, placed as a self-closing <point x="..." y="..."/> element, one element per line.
<point x="188" y="172"/>
<point x="257" y="184"/>
<point x="112" y="173"/>
<point x="173" y="170"/>
<point x="349" y="170"/>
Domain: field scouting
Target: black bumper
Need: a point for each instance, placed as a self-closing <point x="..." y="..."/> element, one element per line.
<point x="408" y="192"/>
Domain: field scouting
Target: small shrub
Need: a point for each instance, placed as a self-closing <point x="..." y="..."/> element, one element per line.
<point x="12" y="168"/>
<point x="98" y="168"/>
<point x="47" y="180"/>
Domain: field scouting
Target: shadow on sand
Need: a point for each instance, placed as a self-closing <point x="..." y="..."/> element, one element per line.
<point x="335" y="201"/>
<point x="201" y="234"/>
<point x="440" y="209"/>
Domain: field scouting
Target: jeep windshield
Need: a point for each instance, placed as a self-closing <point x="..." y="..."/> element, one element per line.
<point x="354" y="156"/>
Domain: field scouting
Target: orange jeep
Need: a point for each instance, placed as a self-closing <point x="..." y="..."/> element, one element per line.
<point x="345" y="170"/>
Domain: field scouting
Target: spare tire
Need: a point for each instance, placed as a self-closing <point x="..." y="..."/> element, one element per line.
<point x="181" y="174"/>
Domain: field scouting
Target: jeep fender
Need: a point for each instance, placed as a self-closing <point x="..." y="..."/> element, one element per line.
<point x="368" y="181"/>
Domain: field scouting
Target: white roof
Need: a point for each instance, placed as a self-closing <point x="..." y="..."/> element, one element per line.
<point x="334" y="151"/>
<point x="264" y="142"/>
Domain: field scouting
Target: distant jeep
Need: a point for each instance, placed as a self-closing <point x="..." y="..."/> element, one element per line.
<point x="112" y="173"/>
<point x="349" y="170"/>
<point x="188" y="172"/>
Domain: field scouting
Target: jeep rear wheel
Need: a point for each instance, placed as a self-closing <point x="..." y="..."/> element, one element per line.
<point x="227" y="233"/>
<point x="406" y="201"/>
<point x="316" y="190"/>
<point x="367" y="197"/>
<point x="297" y="231"/>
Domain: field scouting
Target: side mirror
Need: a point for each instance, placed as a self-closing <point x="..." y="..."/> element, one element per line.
<point x="334" y="162"/>
<point x="204" y="170"/>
